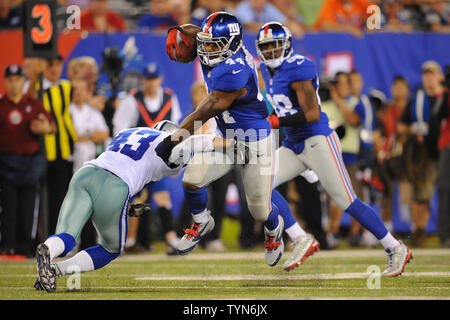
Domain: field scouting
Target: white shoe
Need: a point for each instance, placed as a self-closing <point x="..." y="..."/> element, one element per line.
<point x="274" y="245"/>
<point x="303" y="248"/>
<point x="398" y="258"/>
<point x="193" y="235"/>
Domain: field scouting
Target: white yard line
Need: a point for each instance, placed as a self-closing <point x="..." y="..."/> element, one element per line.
<point x="376" y="253"/>
<point x="251" y="277"/>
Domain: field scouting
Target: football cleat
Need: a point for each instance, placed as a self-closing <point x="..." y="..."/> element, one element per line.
<point x="274" y="245"/>
<point x="46" y="272"/>
<point x="193" y="235"/>
<point x="304" y="247"/>
<point x="398" y="258"/>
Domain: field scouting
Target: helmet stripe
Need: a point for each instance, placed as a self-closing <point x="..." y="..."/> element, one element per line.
<point x="210" y="21"/>
<point x="266" y="29"/>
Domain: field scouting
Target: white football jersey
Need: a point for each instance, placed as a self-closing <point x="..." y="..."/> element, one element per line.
<point x="131" y="156"/>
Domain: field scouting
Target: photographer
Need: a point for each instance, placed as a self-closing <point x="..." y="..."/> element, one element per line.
<point x="419" y="129"/>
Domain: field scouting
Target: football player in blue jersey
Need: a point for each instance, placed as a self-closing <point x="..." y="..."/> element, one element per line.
<point x="292" y="88"/>
<point x="240" y="112"/>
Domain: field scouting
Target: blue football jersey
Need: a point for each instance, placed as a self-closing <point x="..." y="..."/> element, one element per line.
<point x="247" y="116"/>
<point x="284" y="99"/>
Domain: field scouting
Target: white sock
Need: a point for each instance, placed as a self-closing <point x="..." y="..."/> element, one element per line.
<point x="389" y="241"/>
<point x="55" y="246"/>
<point x="295" y="231"/>
<point x="201" y="217"/>
<point x="81" y="262"/>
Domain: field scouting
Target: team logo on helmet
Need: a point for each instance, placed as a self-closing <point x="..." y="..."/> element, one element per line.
<point x="220" y="38"/>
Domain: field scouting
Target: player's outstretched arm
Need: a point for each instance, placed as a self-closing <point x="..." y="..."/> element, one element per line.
<point x="183" y="152"/>
<point x="214" y="104"/>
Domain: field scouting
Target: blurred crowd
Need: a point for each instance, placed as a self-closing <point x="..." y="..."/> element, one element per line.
<point x="395" y="148"/>
<point x="352" y="16"/>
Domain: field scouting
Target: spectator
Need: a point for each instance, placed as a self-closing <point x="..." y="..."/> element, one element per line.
<point x="52" y="69"/>
<point x="98" y="18"/>
<point x="22" y="120"/>
<point x="438" y="16"/>
<point x="343" y="16"/>
<point x="88" y="122"/>
<point x="395" y="18"/>
<point x="443" y="180"/>
<point x="295" y="21"/>
<point x="10" y="16"/>
<point x="390" y="167"/>
<point x="420" y="127"/>
<point x="85" y="67"/>
<point x="59" y="145"/>
<point x="143" y="109"/>
<point x="160" y="18"/>
<point x="254" y="13"/>
<point x="204" y="9"/>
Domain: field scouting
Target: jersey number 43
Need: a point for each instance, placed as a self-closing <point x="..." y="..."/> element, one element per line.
<point x="133" y="142"/>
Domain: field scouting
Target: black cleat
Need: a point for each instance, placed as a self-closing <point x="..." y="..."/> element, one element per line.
<point x="37" y="286"/>
<point x="46" y="274"/>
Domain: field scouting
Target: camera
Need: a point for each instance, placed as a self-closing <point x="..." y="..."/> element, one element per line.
<point x="112" y="65"/>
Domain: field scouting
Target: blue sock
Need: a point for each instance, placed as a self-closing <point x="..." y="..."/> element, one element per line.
<point x="272" y="220"/>
<point x="197" y="201"/>
<point x="283" y="209"/>
<point x="100" y="257"/>
<point x="368" y="218"/>
<point x="69" y="242"/>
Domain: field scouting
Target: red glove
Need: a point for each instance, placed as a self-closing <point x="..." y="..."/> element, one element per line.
<point x="274" y="122"/>
<point x="175" y="37"/>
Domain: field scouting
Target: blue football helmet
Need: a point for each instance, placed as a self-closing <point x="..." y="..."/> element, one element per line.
<point x="220" y="37"/>
<point x="273" y="44"/>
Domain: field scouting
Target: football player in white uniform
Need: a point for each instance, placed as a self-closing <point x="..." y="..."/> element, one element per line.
<point x="101" y="191"/>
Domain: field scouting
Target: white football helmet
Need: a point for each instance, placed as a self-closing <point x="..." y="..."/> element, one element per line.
<point x="166" y="126"/>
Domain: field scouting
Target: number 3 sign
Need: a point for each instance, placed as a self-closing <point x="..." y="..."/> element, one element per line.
<point x="39" y="37"/>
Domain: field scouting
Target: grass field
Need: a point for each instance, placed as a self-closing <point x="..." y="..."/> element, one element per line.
<point x="338" y="274"/>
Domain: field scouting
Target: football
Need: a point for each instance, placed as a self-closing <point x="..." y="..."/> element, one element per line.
<point x="188" y="52"/>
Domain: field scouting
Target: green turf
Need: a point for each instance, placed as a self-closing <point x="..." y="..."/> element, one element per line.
<point x="120" y="279"/>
